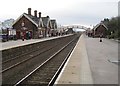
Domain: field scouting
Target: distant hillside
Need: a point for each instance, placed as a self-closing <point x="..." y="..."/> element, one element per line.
<point x="6" y="24"/>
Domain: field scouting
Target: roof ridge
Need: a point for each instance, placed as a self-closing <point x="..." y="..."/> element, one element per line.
<point x="28" y="17"/>
<point x="99" y="25"/>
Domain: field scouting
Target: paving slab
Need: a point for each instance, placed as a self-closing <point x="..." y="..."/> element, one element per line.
<point x="101" y="55"/>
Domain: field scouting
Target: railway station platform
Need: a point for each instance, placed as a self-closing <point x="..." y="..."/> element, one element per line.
<point x="91" y="62"/>
<point x="77" y="68"/>
<point x="17" y="43"/>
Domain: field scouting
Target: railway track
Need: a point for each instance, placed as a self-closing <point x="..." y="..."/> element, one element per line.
<point x="36" y="46"/>
<point x="17" y="61"/>
<point x="12" y="60"/>
<point x="14" y="73"/>
<point x="10" y="63"/>
<point x="47" y="72"/>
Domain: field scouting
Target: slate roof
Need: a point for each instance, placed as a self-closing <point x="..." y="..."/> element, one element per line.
<point x="45" y="21"/>
<point x="99" y="25"/>
<point x="31" y="18"/>
<point x="39" y="22"/>
<point x="54" y="24"/>
<point x="35" y="19"/>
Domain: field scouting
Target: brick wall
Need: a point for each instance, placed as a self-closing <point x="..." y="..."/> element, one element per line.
<point x="100" y="30"/>
<point x="28" y="25"/>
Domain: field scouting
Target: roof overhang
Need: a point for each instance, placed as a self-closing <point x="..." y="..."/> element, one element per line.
<point x="99" y="25"/>
<point x="27" y="18"/>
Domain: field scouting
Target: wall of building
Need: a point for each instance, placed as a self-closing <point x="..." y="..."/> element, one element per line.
<point x="29" y="26"/>
<point x="100" y="30"/>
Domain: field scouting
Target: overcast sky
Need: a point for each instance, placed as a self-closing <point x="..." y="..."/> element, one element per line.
<point x="84" y="12"/>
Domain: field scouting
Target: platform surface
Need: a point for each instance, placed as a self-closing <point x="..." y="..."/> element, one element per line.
<point x="91" y="62"/>
<point x="103" y="57"/>
<point x="77" y="69"/>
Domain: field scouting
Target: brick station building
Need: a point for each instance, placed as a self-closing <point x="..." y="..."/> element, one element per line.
<point x="33" y="26"/>
<point x="99" y="29"/>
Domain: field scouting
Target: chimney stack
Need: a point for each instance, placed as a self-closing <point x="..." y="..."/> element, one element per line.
<point x="29" y="11"/>
<point x="48" y="17"/>
<point x="39" y="14"/>
<point x="35" y="13"/>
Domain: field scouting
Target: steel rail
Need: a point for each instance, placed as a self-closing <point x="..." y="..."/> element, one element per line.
<point x="51" y="83"/>
<point x="56" y="53"/>
<point x="20" y="55"/>
<point x="25" y="60"/>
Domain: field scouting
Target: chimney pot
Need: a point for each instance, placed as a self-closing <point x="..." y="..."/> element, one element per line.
<point x="39" y="14"/>
<point x="29" y="11"/>
<point x="48" y="17"/>
<point x="35" y="13"/>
